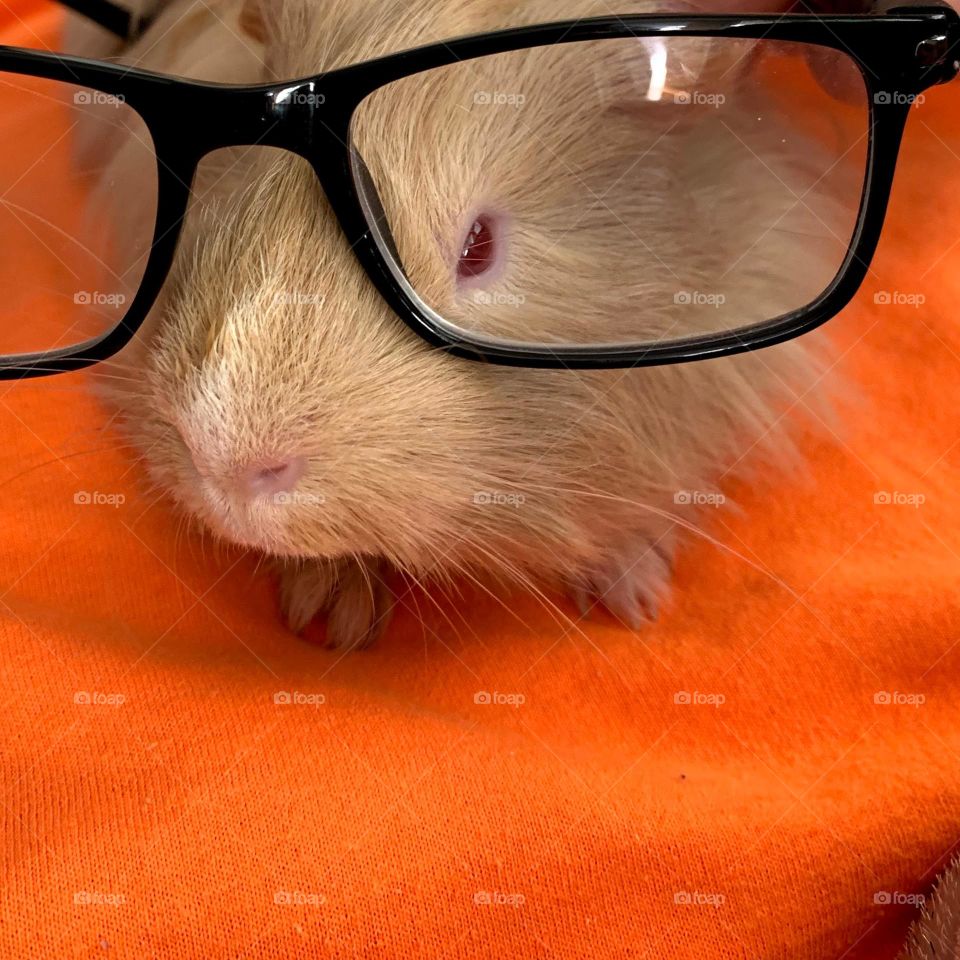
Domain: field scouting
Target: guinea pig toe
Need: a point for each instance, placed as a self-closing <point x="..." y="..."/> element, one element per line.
<point x="356" y="598"/>
<point x="306" y="588"/>
<point x="361" y="610"/>
<point x="631" y="588"/>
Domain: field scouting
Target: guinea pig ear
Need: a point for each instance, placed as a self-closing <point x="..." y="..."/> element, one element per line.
<point x="830" y="68"/>
<point x="253" y="20"/>
<point x="279" y="27"/>
<point x="825" y="64"/>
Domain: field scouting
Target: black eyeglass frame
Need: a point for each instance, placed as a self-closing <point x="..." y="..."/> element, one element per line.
<point x="900" y="50"/>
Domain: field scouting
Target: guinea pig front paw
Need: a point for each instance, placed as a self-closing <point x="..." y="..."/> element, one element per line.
<point x="354" y="595"/>
<point x="632" y="586"/>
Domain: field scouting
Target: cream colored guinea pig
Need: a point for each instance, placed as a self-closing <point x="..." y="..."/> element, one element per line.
<point x="237" y="392"/>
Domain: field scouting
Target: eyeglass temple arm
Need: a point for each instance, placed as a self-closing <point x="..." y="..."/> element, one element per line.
<point x="110" y="16"/>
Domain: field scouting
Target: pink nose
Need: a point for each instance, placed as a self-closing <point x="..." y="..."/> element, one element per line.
<point x="272" y="477"/>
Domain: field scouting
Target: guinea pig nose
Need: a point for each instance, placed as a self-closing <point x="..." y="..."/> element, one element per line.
<point x="268" y="478"/>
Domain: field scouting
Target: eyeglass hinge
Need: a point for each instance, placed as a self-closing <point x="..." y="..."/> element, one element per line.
<point x="938" y="54"/>
<point x="938" y="57"/>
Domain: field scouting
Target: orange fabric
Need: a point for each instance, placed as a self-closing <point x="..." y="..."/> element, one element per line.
<point x="185" y="814"/>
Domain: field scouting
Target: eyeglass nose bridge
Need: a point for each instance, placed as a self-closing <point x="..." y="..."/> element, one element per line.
<point x="297" y="116"/>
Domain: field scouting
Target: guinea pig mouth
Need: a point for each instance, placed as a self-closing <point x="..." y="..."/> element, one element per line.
<point x="285" y="523"/>
<point x="273" y="525"/>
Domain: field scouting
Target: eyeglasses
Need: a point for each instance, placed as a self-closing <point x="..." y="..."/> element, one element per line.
<point x="608" y="192"/>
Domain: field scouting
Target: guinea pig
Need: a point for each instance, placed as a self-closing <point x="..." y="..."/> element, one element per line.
<point x="321" y="431"/>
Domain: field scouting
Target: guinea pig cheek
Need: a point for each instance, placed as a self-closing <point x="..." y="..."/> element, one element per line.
<point x="482" y="251"/>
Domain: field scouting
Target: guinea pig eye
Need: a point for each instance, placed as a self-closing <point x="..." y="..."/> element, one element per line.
<point x="478" y="252"/>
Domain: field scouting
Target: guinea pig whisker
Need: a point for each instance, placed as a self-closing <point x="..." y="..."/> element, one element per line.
<point x="523" y="579"/>
<point x="442" y="584"/>
<point x="804" y="233"/>
<point x="76" y="241"/>
<point x="179" y="533"/>
<point x="51" y="461"/>
<point x="470" y="577"/>
<point x="261" y="560"/>
<point x="457" y="631"/>
<point x="75" y="389"/>
<point x="160" y="496"/>
<point x="98" y="375"/>
<point x="686" y="525"/>
<point x="418" y="613"/>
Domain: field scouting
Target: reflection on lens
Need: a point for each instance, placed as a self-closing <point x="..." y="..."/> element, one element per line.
<point x="619" y="192"/>
<point x="78" y="199"/>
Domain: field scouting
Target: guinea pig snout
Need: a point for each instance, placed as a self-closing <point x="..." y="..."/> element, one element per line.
<point x="269" y="478"/>
<point x="246" y="480"/>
